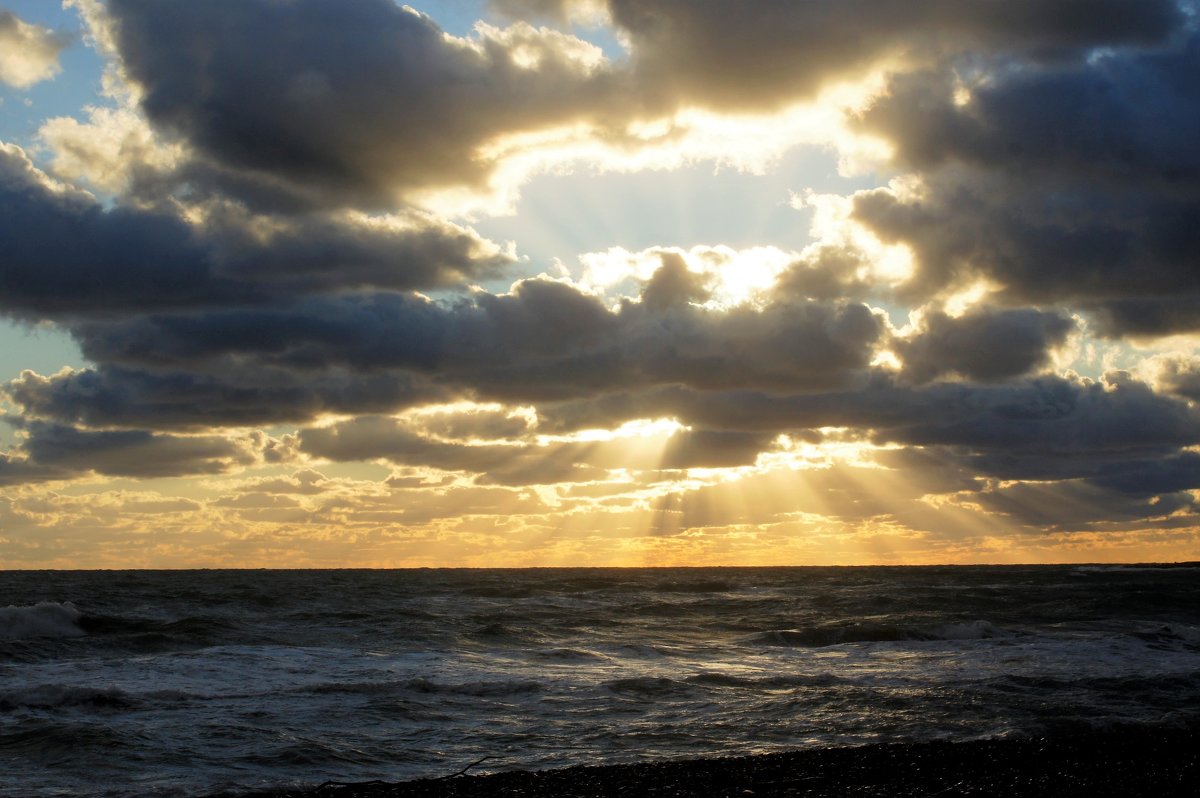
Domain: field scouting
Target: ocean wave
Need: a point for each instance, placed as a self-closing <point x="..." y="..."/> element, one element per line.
<point x="1171" y="637"/>
<point x="694" y="586"/>
<point x="58" y="742"/>
<point x="858" y="632"/>
<point x="641" y="651"/>
<point x="1143" y="568"/>
<point x="1174" y="684"/>
<point x="776" y="682"/>
<point x="55" y="696"/>
<point x="568" y="655"/>
<point x="647" y="686"/>
<point x="477" y="689"/>
<point x="45" y="619"/>
<point x="499" y="591"/>
<point x="501" y="632"/>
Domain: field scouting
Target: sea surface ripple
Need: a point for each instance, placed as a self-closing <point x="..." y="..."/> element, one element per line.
<point x="189" y="682"/>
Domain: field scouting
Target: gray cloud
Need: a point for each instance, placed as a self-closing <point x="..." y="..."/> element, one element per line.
<point x="543" y="340"/>
<point x="19" y="470"/>
<point x="1122" y="116"/>
<point x="830" y="272"/>
<point x="363" y="102"/>
<point x="1052" y="417"/>
<point x="63" y="253"/>
<point x="1059" y="183"/>
<point x="525" y="462"/>
<point x="672" y="284"/>
<point x="1179" y="375"/>
<point x="983" y="344"/>
<point x="1101" y="250"/>
<point x="737" y="54"/>
<point x="325" y="103"/>
<point x="237" y="395"/>
<point x="1147" y="478"/>
<point x="1047" y="428"/>
<point x="1078" y="505"/>
<point x="477" y="423"/>
<point x="61" y="450"/>
<point x="66" y="255"/>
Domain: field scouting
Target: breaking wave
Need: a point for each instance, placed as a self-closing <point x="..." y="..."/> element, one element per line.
<point x="46" y="619"/>
<point x="782" y="682"/>
<point x="54" y="696"/>
<point x="839" y="634"/>
<point x="482" y="689"/>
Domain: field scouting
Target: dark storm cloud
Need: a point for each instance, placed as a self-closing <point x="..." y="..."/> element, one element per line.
<point x="1052" y="416"/>
<point x="323" y="102"/>
<point x="1079" y="505"/>
<point x="1150" y="317"/>
<point x="543" y="340"/>
<point x="1151" y="477"/>
<point x="356" y="331"/>
<point x="1082" y="244"/>
<point x="64" y="254"/>
<point x="807" y="346"/>
<point x="984" y="344"/>
<point x="129" y="453"/>
<point x="477" y="423"/>
<point x="1075" y="184"/>
<point x="525" y="462"/>
<point x="20" y="471"/>
<point x="236" y="395"/>
<point x="673" y="285"/>
<point x="713" y="448"/>
<point x="308" y="254"/>
<point x="732" y="53"/>
<point x="1044" y="428"/>
<point x="370" y="438"/>
<point x="1121" y="116"/>
<point x="830" y="272"/>
<point x="1180" y="376"/>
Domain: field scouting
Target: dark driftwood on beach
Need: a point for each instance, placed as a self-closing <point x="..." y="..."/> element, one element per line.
<point x="1128" y="763"/>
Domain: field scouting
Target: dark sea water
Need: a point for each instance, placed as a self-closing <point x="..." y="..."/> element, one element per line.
<point x="159" y="683"/>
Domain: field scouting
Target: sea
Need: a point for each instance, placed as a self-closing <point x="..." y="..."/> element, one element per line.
<point x="188" y="683"/>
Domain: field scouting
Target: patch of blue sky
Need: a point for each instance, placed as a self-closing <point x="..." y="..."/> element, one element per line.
<point x="43" y="348"/>
<point x="561" y="216"/>
<point x="78" y="85"/>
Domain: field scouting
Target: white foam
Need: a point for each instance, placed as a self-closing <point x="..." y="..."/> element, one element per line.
<point x="47" y="619"/>
<point x="969" y="630"/>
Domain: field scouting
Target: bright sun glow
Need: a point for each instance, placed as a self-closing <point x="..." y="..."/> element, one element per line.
<point x="635" y="429"/>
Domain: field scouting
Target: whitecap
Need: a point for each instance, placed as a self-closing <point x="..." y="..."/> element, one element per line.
<point x="46" y="619"/>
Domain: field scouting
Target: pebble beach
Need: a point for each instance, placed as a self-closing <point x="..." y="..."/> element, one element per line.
<point x="1128" y="762"/>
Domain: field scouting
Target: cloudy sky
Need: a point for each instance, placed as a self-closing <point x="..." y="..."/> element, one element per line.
<point x="598" y="282"/>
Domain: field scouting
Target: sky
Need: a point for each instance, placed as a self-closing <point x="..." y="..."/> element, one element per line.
<point x="333" y="283"/>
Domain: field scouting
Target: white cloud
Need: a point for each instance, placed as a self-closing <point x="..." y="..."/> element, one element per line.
<point x="28" y="53"/>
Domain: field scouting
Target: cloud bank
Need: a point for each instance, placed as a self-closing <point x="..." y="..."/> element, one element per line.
<point x="250" y="246"/>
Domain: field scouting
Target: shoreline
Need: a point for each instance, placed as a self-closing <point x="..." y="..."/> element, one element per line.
<point x="1121" y="762"/>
